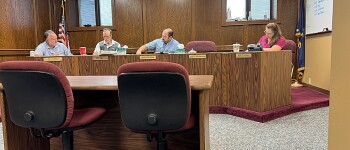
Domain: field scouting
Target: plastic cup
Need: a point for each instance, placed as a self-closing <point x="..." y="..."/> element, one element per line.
<point x="82" y="50"/>
<point x="236" y="47"/>
<point x="121" y="50"/>
<point x="180" y="51"/>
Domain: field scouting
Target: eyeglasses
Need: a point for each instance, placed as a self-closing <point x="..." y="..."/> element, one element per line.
<point x="267" y="33"/>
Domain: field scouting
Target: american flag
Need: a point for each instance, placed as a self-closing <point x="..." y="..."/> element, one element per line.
<point x="62" y="32"/>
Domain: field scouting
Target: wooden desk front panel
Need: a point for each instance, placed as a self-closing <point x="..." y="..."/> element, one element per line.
<point x="275" y="80"/>
<point x="12" y="58"/>
<point x="259" y="83"/>
<point x="210" y="65"/>
<point x="68" y="64"/>
<point x="87" y="66"/>
<point x="239" y="78"/>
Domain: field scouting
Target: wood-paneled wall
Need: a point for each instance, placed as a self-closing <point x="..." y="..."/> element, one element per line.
<point x="128" y="22"/>
<point x="135" y="22"/>
<point x="23" y="23"/>
<point x="175" y="14"/>
<point x="17" y="24"/>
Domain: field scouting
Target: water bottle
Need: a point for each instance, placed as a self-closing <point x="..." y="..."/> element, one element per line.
<point x="250" y="16"/>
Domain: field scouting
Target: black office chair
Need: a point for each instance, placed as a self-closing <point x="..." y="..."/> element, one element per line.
<point x="155" y="98"/>
<point x="39" y="97"/>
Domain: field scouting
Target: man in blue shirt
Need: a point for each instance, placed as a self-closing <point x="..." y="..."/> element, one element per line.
<point x="166" y="44"/>
<point x="51" y="47"/>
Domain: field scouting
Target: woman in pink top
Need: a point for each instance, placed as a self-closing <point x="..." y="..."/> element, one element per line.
<point x="273" y="39"/>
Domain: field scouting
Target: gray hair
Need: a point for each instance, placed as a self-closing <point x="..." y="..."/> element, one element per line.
<point x="47" y="33"/>
<point x="107" y="29"/>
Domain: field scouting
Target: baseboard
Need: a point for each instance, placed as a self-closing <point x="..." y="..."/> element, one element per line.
<point x="316" y="88"/>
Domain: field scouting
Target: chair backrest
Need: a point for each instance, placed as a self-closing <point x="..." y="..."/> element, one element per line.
<point x="201" y="46"/>
<point x="154" y="96"/>
<point x="38" y="94"/>
<point x="291" y="45"/>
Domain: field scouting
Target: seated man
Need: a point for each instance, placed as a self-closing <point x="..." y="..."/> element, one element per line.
<point x="166" y="44"/>
<point x="108" y="44"/>
<point x="51" y="47"/>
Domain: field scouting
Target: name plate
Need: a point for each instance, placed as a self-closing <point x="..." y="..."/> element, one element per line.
<point x="53" y="59"/>
<point x="99" y="57"/>
<point x="243" y="55"/>
<point x="197" y="56"/>
<point x="148" y="57"/>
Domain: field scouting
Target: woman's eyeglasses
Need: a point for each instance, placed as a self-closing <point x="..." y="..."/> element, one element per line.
<point x="267" y="33"/>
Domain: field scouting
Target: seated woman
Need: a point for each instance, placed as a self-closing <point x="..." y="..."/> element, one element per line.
<point x="273" y="39"/>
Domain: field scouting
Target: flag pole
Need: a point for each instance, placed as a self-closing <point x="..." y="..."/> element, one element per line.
<point x="300" y="35"/>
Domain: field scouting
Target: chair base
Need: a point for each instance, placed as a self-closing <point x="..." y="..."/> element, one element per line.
<point x="162" y="144"/>
<point x="41" y="133"/>
<point x="67" y="140"/>
<point x="67" y="136"/>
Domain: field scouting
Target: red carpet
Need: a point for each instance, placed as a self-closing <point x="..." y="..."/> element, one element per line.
<point x="303" y="98"/>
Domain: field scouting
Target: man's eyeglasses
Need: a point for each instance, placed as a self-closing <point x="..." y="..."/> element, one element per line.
<point x="267" y="33"/>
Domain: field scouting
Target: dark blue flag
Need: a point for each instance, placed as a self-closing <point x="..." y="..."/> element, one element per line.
<point x="300" y="34"/>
